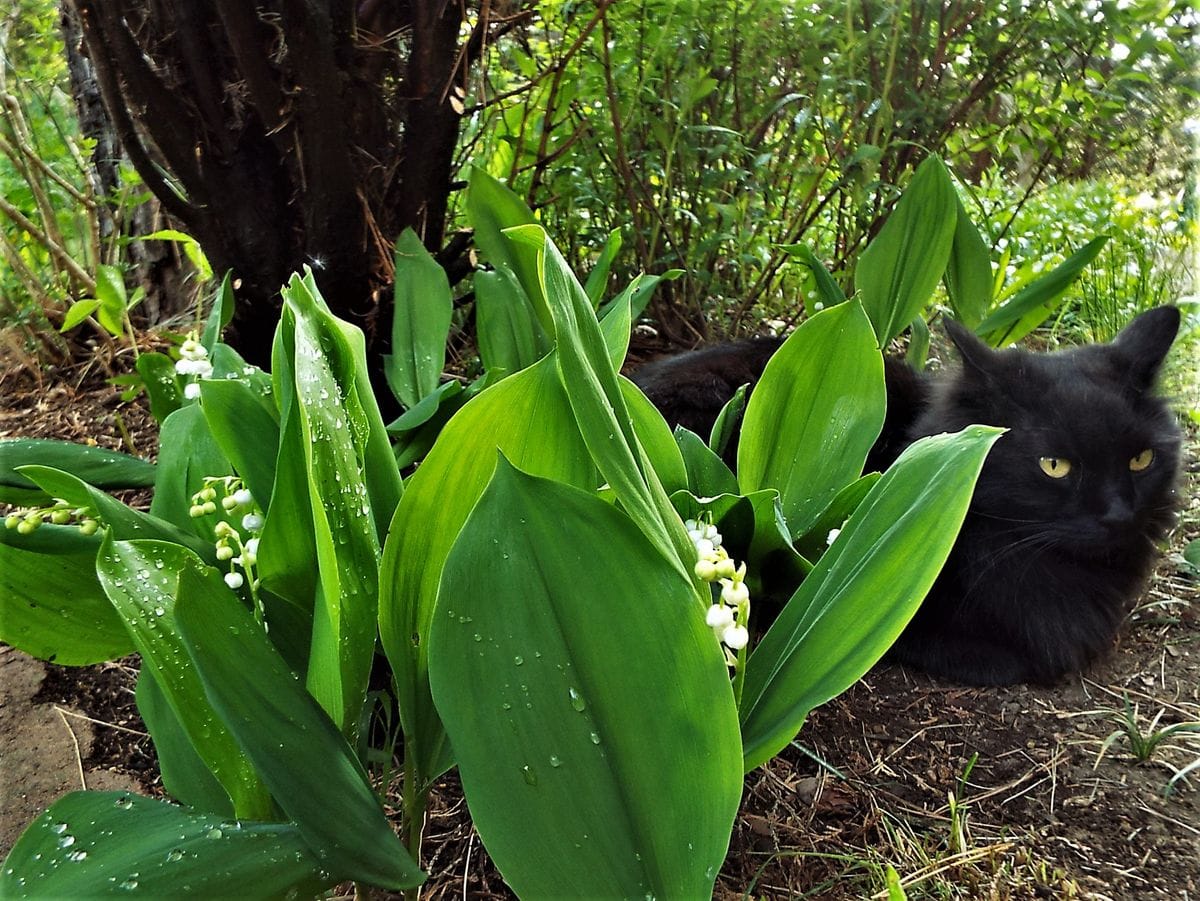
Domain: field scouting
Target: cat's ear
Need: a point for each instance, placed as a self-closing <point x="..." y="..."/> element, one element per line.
<point x="976" y="355"/>
<point x="1142" y="345"/>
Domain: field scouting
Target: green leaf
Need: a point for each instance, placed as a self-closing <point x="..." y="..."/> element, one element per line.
<point x="220" y="315"/>
<point x="600" y="408"/>
<point x="827" y="293"/>
<point x="162" y="384"/>
<point x="1030" y="307"/>
<point x="97" y="466"/>
<point x="528" y="417"/>
<point x="815" y="539"/>
<point x="142" y="580"/>
<point x="191" y="248"/>
<point x="728" y="422"/>
<point x="337" y="425"/>
<point x="187" y="453"/>
<point x="422" y="307"/>
<point x="898" y="271"/>
<point x="814" y="414"/>
<point x="510" y="336"/>
<point x="114" y="844"/>
<point x="863" y="591"/>
<point x="597" y="280"/>
<point x="610" y="737"/>
<point x="918" y="344"/>
<point x="491" y="208"/>
<point x="78" y="312"/>
<point x="245" y="430"/>
<point x="110" y="291"/>
<point x="707" y="474"/>
<point x="123" y="522"/>
<point x="311" y="771"/>
<point x="185" y="776"/>
<point x="969" y="271"/>
<point x="51" y="606"/>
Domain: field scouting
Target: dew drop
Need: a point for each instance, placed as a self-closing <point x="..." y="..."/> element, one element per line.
<point x="528" y="775"/>
<point x="174" y="854"/>
<point x="214" y="832"/>
<point x="77" y="856"/>
<point x="595" y="738"/>
<point x="477" y="637"/>
<point x="518" y="660"/>
<point x="577" y="701"/>
<point x="555" y="761"/>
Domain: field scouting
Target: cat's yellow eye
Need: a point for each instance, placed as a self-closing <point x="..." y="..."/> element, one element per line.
<point x="1142" y="460"/>
<point x="1055" y="467"/>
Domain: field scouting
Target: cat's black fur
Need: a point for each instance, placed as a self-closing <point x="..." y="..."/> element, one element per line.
<point x="1044" y="569"/>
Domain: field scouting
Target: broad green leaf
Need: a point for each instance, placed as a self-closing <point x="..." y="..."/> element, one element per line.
<point x="616" y="328"/>
<point x="587" y="701"/>
<point x="597" y="280"/>
<point x="654" y="435"/>
<point x="755" y="533"/>
<point x="185" y="776"/>
<point x="707" y="474"/>
<point x="123" y="522"/>
<point x="491" y="208"/>
<point x="220" y="315"/>
<point x="187" y="454"/>
<point x="900" y="268"/>
<point x="297" y="749"/>
<point x="815" y="414"/>
<point x="421" y="310"/>
<point x="728" y="422"/>
<point x="917" y="354"/>
<point x="110" y="291"/>
<point x="334" y="434"/>
<point x="245" y="430"/>
<point x="969" y="271"/>
<point x="596" y="399"/>
<point x="163" y="386"/>
<point x="287" y="553"/>
<point x="639" y="291"/>
<point x="141" y="579"/>
<point x="528" y="417"/>
<point x="97" y="466"/>
<point x="813" y="542"/>
<point x="115" y="844"/>
<point x="1029" y="307"/>
<point x="51" y="606"/>
<point x="510" y="336"/>
<point x="191" y="249"/>
<point x="78" y="312"/>
<point x="826" y="291"/>
<point x="863" y="591"/>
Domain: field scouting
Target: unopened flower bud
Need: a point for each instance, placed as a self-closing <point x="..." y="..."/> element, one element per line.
<point x="706" y="570"/>
<point x="234" y="580"/>
<point x="224" y="552"/>
<point x="89" y="527"/>
<point x="252" y="522"/>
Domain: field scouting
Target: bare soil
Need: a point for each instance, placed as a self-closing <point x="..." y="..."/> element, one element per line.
<point x="964" y="792"/>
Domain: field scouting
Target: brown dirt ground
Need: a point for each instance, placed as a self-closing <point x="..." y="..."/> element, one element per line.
<point x="966" y="793"/>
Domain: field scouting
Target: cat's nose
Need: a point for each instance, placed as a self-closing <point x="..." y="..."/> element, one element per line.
<point x="1117" y="513"/>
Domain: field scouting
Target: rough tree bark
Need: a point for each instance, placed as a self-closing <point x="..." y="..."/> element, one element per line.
<point x="286" y="133"/>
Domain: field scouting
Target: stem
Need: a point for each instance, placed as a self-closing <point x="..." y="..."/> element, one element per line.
<point x="415" y="802"/>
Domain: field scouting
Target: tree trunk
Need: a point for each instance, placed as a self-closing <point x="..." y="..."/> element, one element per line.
<point x="288" y="133"/>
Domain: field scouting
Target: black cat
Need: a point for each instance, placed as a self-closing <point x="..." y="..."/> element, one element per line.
<point x="1062" y="529"/>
